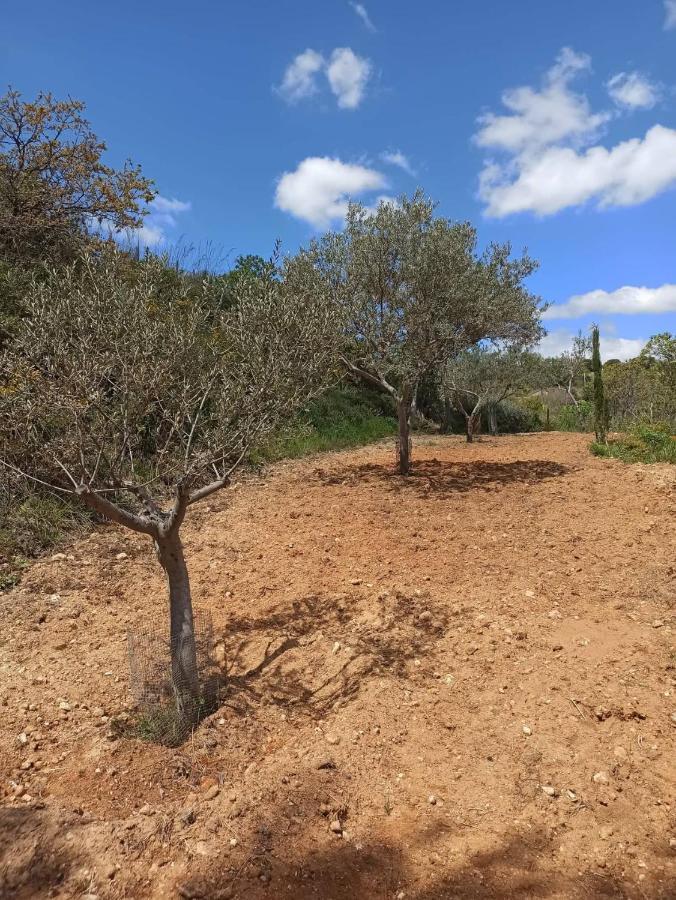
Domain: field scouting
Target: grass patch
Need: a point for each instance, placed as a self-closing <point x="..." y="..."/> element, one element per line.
<point x="36" y="523"/>
<point x="644" y="444"/>
<point x="343" y="417"/>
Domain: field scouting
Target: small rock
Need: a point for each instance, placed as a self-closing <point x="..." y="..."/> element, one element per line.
<point x="146" y="810"/>
<point x="620" y="753"/>
<point x="549" y="790"/>
<point x="530" y="593"/>
<point x="336" y="647"/>
<point x="64" y="706"/>
<point x="59" y="557"/>
<point x="557" y="647"/>
<point x="425" y="616"/>
<point x="336" y="827"/>
<point x="212" y="792"/>
<point x="332" y="738"/>
<point x="601" y="778"/>
<point x="432" y="800"/>
<point x="657" y="623"/>
<point x="606" y="831"/>
<point x="98" y="711"/>
<point x="572" y="796"/>
<point x="554" y="614"/>
<point x="527" y="730"/>
<point x="121" y="556"/>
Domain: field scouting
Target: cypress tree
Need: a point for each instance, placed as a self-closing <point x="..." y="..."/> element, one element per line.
<point x="599" y="400"/>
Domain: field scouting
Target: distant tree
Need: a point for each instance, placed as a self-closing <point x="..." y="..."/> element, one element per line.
<point x="482" y="377"/>
<point x="125" y="389"/>
<point x="411" y="292"/>
<point x="600" y="408"/>
<point x="53" y="181"/>
<point x="570" y="366"/>
<point x="246" y="268"/>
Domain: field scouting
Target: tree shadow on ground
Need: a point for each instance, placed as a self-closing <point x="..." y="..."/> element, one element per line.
<point x="294" y="664"/>
<point x="518" y="866"/>
<point x="434" y="477"/>
<point x="34" y="858"/>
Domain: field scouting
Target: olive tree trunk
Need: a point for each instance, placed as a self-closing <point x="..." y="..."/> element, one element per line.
<point x="184" y="672"/>
<point x="493" y="419"/>
<point x="404" y="421"/>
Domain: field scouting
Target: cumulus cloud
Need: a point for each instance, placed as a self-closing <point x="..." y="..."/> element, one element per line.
<point x="362" y="12"/>
<point x="348" y="74"/>
<point x="319" y="189"/>
<point x="625" y="301"/>
<point x="557" y="342"/>
<point x="670" y="14"/>
<point x="631" y="90"/>
<point x="546" y="163"/>
<point x="397" y="158"/>
<point x="629" y="173"/>
<point x="545" y="116"/>
<point x="160" y="220"/>
<point x="300" y="77"/>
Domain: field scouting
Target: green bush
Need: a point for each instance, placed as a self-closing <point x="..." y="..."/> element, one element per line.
<point x="645" y="443"/>
<point x="37" y="523"/>
<point x="574" y="418"/>
<point x="345" y="416"/>
<point x="517" y="417"/>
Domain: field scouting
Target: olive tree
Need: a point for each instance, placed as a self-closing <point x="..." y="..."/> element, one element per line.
<point x="133" y="392"/>
<point x="482" y="377"/>
<point x="567" y="368"/>
<point x="411" y="290"/>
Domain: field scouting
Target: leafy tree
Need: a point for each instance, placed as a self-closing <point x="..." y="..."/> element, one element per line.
<point x="565" y="370"/>
<point x="412" y="291"/>
<point x="53" y="182"/>
<point x="482" y="377"/>
<point x="127" y="391"/>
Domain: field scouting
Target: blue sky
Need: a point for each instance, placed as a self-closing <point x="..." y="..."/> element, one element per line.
<point x="551" y="125"/>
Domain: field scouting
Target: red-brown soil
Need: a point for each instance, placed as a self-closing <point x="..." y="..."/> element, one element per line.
<point x="471" y="670"/>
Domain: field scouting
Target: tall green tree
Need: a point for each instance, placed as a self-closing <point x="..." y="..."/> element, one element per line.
<point x="600" y="409"/>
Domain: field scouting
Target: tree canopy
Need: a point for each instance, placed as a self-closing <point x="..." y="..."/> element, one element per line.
<point x="54" y="184"/>
<point x="411" y="291"/>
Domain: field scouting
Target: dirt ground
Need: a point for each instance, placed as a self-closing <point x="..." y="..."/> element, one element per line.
<point x="457" y="685"/>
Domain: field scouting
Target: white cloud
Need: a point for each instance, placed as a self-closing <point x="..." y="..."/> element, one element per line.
<point x="300" y="77"/>
<point x="670" y="13"/>
<point x="629" y="173"/>
<point x="557" y="342"/>
<point x="157" y="225"/>
<point x="632" y="90"/>
<point x="348" y="74"/>
<point x="397" y="158"/>
<point x="546" y="163"/>
<point x="319" y="190"/>
<point x="625" y="301"/>
<point x="362" y="12"/>
<point x="541" y="117"/>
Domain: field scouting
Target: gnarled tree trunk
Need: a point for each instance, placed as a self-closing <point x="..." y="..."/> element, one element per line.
<point x="184" y="672"/>
<point x="493" y="419"/>
<point x="404" y="420"/>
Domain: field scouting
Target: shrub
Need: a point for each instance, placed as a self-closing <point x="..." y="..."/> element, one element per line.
<point x="646" y="444"/>
<point x="574" y="418"/>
